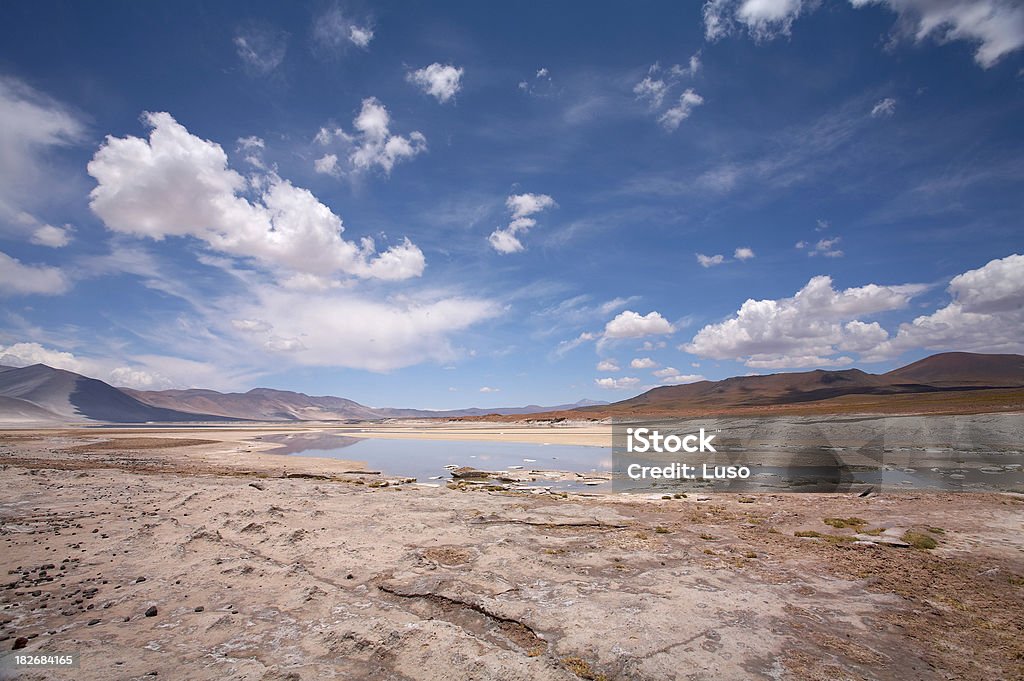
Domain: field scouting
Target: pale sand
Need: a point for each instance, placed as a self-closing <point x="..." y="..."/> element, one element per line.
<point x="595" y="435"/>
<point x="311" y="579"/>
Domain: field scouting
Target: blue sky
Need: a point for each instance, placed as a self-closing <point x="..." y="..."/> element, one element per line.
<point x="444" y="205"/>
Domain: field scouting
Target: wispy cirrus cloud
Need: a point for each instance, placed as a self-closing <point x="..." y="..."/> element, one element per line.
<point x="261" y="49"/>
<point x="335" y="32"/>
<point x="20" y="279"/>
<point x="996" y="27"/>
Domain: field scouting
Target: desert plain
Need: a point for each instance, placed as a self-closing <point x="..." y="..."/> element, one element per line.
<point x="199" y="553"/>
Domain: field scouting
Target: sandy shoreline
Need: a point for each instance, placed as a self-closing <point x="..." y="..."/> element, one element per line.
<point x="318" y="576"/>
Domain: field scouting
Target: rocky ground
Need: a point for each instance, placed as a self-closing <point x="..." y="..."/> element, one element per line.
<point x="197" y="559"/>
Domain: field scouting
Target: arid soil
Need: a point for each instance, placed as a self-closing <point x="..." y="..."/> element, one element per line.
<point x="261" y="566"/>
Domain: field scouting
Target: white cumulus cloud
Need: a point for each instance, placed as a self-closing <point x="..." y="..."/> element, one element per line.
<point x="762" y="19"/>
<point x="27" y="354"/>
<point x="986" y="314"/>
<point x="371" y="144"/>
<point x="360" y="35"/>
<point x="629" y="324"/>
<point x="140" y="379"/>
<point x="672" y="376"/>
<point x="623" y="383"/>
<point x="441" y="81"/>
<point x="376" y="146"/>
<point x="178" y="184"/>
<point x="607" y="365"/>
<point x="809" y="329"/>
<point x="327" y="165"/>
<point x="520" y="206"/>
<point x="710" y="260"/>
<point x="53" y="237"/>
<point x="643" y="363"/>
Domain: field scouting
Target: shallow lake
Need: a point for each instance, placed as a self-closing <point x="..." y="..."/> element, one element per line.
<point x="426" y="459"/>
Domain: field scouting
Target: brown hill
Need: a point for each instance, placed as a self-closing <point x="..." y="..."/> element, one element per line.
<point x="953" y="382"/>
<point x="963" y="369"/>
<point x="807" y="386"/>
<point x="259" y="404"/>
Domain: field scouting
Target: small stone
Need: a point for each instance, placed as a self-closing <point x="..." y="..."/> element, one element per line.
<point x="350" y="576"/>
<point x="140" y="580"/>
<point x="151" y="612"/>
<point x="20" y="643"/>
<point x="199" y="608"/>
<point x="93" y="622"/>
<point x="258" y="485"/>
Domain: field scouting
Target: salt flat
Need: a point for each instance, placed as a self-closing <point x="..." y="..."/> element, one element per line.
<point x="263" y="566"/>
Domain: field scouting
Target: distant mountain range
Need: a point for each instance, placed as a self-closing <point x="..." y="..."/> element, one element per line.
<point x="266" y="404"/>
<point x="951" y="382"/>
<point x="40" y="393"/>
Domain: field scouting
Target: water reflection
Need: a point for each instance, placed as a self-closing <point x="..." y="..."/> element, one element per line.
<point x="425" y="460"/>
